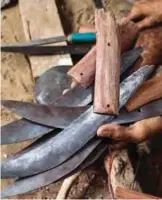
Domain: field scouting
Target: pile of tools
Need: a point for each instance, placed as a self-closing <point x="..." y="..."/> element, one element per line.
<point x="64" y="118"/>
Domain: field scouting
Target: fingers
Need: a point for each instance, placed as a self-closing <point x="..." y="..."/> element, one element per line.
<point x="134" y="14"/>
<point x="146" y="22"/>
<point x="113" y="131"/>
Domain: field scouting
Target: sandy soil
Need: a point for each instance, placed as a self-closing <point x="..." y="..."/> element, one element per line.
<point x="17" y="84"/>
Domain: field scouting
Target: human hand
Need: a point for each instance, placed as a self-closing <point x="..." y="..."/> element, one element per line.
<point x="148" y="12"/>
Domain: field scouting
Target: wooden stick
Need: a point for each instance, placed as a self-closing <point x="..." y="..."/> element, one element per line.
<point x="123" y="193"/>
<point x="149" y="91"/>
<point x="106" y="98"/>
<point x="84" y="71"/>
<point x="66" y="186"/>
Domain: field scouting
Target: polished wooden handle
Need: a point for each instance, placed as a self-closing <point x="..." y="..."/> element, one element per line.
<point x="107" y="78"/>
<point x="149" y="91"/>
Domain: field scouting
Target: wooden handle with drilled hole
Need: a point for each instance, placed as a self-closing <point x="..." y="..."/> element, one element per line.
<point x="107" y="78"/>
<point x="149" y="91"/>
<point x="84" y="71"/>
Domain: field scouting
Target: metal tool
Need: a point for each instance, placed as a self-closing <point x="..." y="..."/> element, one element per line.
<point x="72" y="38"/>
<point x="49" y="115"/>
<point x="48" y="50"/>
<point x="74" y="164"/>
<point x="65" y="144"/>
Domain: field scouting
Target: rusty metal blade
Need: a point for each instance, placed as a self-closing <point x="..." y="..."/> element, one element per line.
<point x="22" y="130"/>
<point x="149" y="110"/>
<point x="65" y="144"/>
<point x="49" y="115"/>
<point x="77" y="162"/>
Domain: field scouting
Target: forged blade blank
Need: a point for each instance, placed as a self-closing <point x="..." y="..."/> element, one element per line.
<point x="48" y="115"/>
<point x="22" y="130"/>
<point x="34" y="182"/>
<point x="58" y="149"/>
<point x="152" y="109"/>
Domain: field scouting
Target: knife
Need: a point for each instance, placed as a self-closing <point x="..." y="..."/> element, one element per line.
<point x="48" y="50"/>
<point x="65" y="144"/>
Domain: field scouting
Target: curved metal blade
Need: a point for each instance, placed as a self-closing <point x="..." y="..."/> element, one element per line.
<point x="152" y="109"/>
<point x="48" y="115"/>
<point x="58" y="149"/>
<point x="85" y="157"/>
<point x="22" y="130"/>
<point x="50" y="85"/>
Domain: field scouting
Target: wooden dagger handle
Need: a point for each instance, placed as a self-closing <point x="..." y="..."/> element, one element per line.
<point x="107" y="78"/>
<point x="124" y="193"/>
<point x="149" y="91"/>
<point x="84" y="71"/>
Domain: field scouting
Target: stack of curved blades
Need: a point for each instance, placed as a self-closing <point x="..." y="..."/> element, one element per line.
<point x="58" y="155"/>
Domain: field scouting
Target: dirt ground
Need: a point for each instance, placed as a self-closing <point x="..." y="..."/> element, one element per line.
<point x="17" y="84"/>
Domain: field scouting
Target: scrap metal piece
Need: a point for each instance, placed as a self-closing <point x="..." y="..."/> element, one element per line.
<point x="48" y="50"/>
<point x="85" y="157"/>
<point x="65" y="144"/>
<point x="48" y="115"/>
<point x="22" y="130"/>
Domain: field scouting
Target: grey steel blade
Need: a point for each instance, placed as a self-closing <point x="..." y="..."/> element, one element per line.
<point x="77" y="162"/>
<point x="58" y="149"/>
<point x="149" y="110"/>
<point x="48" y="115"/>
<point x="22" y="130"/>
<point x="79" y="96"/>
<point x="50" y="85"/>
<point x="48" y="50"/>
<point x="38" y="42"/>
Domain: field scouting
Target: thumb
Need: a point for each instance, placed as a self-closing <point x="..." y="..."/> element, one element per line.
<point x="113" y="131"/>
